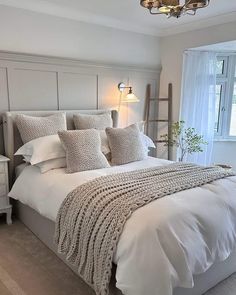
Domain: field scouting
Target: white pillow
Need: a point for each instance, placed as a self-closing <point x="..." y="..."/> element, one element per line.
<point x="27" y="158"/>
<point x="141" y="126"/>
<point x="104" y="142"/>
<point x="49" y="147"/>
<point x="42" y="149"/>
<point x="51" y="164"/>
<point x="147" y="142"/>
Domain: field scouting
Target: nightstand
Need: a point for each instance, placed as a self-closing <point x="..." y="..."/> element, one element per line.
<point x="5" y="206"/>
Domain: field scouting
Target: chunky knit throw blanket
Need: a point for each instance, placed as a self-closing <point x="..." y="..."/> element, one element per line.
<point x="91" y="218"/>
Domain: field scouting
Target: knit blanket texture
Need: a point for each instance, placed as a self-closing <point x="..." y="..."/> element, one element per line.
<point x="91" y="218"/>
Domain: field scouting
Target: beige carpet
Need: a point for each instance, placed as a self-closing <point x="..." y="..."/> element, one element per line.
<point x="27" y="267"/>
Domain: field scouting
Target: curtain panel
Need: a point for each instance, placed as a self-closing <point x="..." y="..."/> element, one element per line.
<point x="198" y="99"/>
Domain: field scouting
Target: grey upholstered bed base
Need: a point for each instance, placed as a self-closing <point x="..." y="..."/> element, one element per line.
<point x="43" y="228"/>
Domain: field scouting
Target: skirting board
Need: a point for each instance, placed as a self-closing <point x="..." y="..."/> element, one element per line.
<point x="43" y="228"/>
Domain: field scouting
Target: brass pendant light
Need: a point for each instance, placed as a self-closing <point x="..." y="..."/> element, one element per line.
<point x="173" y="8"/>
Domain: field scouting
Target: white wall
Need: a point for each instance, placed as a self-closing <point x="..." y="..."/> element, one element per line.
<point x="124" y="56"/>
<point x="172" y="48"/>
<point x="29" y="32"/>
<point x="225" y="153"/>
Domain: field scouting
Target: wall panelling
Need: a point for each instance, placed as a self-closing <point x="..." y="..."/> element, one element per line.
<point x="30" y="82"/>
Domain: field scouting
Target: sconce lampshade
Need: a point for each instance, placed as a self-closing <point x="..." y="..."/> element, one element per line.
<point x="130" y="97"/>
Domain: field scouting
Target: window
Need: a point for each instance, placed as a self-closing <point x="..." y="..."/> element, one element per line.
<point x="225" y="106"/>
<point x="233" y="114"/>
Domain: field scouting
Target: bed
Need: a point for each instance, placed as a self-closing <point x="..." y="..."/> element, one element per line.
<point x="31" y="211"/>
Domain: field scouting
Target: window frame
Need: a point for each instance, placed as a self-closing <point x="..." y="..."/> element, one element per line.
<point x="222" y="83"/>
<point x="225" y="68"/>
<point x="227" y="79"/>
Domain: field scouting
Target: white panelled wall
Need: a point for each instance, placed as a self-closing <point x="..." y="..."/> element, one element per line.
<point x="41" y="83"/>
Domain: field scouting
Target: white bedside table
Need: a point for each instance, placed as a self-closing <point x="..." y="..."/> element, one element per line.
<point x="5" y="206"/>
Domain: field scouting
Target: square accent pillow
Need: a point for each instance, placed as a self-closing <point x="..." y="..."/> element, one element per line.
<point x="125" y="144"/>
<point x="33" y="127"/>
<point x="83" y="150"/>
<point x="100" y="121"/>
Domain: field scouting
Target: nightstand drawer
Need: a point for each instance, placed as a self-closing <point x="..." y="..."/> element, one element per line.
<point x="2" y="168"/>
<point x="3" y="203"/>
<point x="3" y="190"/>
<point x="2" y="179"/>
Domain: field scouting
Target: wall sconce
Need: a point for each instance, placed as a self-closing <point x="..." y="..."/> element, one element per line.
<point x="130" y="97"/>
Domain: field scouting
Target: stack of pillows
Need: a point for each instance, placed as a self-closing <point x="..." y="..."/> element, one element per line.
<point x="93" y="145"/>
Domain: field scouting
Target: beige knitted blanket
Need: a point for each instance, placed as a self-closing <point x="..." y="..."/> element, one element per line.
<point x="91" y="219"/>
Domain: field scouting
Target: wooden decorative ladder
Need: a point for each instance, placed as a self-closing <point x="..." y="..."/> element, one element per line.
<point x="158" y="100"/>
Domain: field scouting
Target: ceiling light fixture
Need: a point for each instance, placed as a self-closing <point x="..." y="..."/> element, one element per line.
<point x="174" y="7"/>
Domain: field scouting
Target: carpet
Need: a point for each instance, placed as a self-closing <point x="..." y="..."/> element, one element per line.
<point x="28" y="267"/>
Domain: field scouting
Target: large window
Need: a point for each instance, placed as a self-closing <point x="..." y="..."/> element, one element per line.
<point x="225" y="116"/>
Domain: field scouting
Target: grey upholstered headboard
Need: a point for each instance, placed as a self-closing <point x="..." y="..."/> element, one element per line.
<point x="12" y="139"/>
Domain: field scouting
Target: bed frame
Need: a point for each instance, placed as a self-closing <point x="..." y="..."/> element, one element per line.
<point x="43" y="228"/>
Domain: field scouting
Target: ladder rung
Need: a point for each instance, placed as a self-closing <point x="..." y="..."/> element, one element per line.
<point x="163" y="99"/>
<point x="152" y="121"/>
<point x="159" y="99"/>
<point x="160" y="141"/>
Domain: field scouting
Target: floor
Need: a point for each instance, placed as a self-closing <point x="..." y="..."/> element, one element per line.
<point x="28" y="267"/>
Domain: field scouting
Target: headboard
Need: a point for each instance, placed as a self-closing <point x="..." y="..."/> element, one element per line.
<point x="12" y="139"/>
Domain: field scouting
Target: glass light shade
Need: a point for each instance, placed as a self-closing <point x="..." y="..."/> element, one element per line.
<point x="194" y="4"/>
<point x="150" y="3"/>
<point x="165" y="9"/>
<point x="130" y="97"/>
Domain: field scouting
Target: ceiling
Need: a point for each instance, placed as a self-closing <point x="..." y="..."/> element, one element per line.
<point x="129" y="15"/>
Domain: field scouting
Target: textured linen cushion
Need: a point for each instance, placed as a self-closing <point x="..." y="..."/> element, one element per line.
<point x="83" y="150"/>
<point x="146" y="141"/>
<point x="42" y="149"/>
<point x="100" y="122"/>
<point x="125" y="144"/>
<point x="34" y="127"/>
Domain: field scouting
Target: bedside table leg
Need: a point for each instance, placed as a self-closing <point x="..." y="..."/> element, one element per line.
<point x="9" y="212"/>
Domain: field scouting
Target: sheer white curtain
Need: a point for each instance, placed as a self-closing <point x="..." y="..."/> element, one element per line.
<point x="198" y="99"/>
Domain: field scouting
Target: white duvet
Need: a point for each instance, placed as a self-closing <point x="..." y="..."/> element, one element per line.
<point x="164" y="243"/>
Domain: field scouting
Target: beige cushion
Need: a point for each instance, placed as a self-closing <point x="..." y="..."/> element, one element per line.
<point x="83" y="150"/>
<point x="100" y="122"/>
<point x="125" y="144"/>
<point x="33" y="127"/>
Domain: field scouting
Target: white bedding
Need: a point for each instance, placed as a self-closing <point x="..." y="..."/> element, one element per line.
<point x="164" y="243"/>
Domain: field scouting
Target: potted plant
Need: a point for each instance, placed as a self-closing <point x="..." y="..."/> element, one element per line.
<point x="186" y="139"/>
